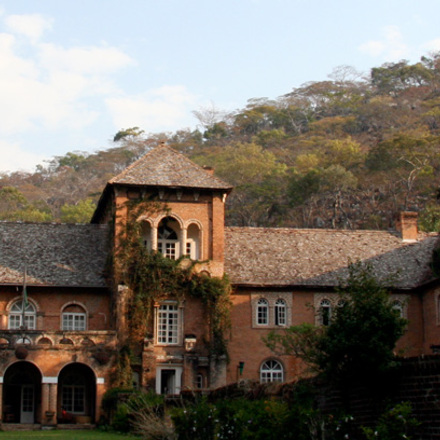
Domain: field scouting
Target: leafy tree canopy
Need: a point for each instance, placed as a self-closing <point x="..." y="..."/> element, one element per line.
<point x="80" y="213"/>
<point x="347" y="152"/>
<point x="361" y="336"/>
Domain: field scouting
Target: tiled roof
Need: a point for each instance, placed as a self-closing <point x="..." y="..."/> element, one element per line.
<point x="54" y="254"/>
<point x="164" y="166"/>
<point x="319" y="258"/>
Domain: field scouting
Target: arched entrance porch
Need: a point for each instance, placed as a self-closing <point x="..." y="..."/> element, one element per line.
<point x="76" y="394"/>
<point x="22" y="393"/>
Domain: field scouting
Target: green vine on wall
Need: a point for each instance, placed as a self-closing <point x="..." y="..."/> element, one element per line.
<point x="151" y="277"/>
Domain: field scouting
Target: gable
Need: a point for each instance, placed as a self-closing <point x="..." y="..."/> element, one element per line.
<point x="165" y="167"/>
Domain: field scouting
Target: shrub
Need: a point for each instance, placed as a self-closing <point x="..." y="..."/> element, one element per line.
<point x="395" y="424"/>
<point x="148" y="417"/>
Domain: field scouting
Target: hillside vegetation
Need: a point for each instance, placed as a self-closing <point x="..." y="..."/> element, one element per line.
<point x="349" y="152"/>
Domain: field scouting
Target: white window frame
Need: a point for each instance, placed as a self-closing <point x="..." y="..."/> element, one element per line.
<point x="73" y="321"/>
<point x="271" y="371"/>
<point x="398" y="306"/>
<point x="15" y="316"/>
<point x="280" y="312"/>
<point x="325" y="312"/>
<point x="168" y="324"/>
<point x="168" y="247"/>
<point x="263" y="312"/>
<point x="274" y="300"/>
<point x="191" y="249"/>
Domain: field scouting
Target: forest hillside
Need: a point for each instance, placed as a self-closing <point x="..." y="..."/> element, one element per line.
<point x="349" y="152"/>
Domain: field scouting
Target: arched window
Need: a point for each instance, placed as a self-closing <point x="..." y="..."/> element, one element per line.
<point x="193" y="242"/>
<point x="271" y="371"/>
<point x="398" y="307"/>
<point x="325" y="312"/>
<point x="16" y="315"/>
<point x="74" y="318"/>
<point x="262" y="312"/>
<point x="167" y="238"/>
<point x="280" y="312"/>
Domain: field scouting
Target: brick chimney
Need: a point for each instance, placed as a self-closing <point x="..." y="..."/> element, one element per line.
<point x="406" y="224"/>
<point x="209" y="170"/>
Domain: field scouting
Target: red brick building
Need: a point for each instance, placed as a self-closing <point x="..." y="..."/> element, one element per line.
<point x="59" y="343"/>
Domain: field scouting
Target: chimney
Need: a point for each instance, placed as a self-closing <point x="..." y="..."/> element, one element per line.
<point x="406" y="224"/>
<point x="209" y="170"/>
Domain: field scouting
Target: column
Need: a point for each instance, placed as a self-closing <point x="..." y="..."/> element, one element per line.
<point x="153" y="238"/>
<point x="183" y="235"/>
<point x="49" y="400"/>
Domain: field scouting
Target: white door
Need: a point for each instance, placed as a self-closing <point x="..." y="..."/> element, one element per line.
<point x="168" y="380"/>
<point x="27" y="404"/>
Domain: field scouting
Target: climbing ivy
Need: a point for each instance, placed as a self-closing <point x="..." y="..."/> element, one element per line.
<point x="151" y="277"/>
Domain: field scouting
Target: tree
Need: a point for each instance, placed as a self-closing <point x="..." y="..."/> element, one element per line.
<point x="15" y="207"/>
<point x="80" y="213"/>
<point x="361" y="337"/>
<point x="258" y="180"/>
<point x="130" y="133"/>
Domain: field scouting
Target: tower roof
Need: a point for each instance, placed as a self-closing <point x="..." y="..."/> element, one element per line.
<point x="164" y="166"/>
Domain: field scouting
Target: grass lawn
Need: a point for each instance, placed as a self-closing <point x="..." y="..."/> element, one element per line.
<point x="63" y="434"/>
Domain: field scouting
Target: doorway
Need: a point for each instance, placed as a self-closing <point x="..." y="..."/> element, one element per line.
<point x="22" y="394"/>
<point x="168" y="380"/>
<point x="76" y="393"/>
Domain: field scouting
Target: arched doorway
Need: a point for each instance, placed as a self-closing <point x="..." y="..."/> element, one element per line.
<point x="22" y="393"/>
<point x="76" y="394"/>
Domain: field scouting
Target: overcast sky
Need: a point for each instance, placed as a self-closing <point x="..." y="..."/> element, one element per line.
<point x="73" y="73"/>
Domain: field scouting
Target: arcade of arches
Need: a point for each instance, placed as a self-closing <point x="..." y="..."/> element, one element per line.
<point x="29" y="397"/>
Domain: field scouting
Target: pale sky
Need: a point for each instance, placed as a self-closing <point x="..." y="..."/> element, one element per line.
<point x="73" y="73"/>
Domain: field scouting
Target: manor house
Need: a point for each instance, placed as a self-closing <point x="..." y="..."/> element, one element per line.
<point x="64" y="314"/>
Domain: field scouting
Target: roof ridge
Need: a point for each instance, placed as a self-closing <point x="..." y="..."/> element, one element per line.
<point x="132" y="165"/>
<point x="327" y="230"/>
<point x="165" y="166"/>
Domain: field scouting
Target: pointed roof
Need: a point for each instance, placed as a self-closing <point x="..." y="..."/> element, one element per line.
<point x="163" y="166"/>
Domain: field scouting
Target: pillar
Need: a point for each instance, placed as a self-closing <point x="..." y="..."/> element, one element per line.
<point x="49" y="401"/>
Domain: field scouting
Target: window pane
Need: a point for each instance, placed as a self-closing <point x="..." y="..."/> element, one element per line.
<point x="73" y="397"/>
<point x="325" y="312"/>
<point x="280" y="312"/>
<point x="15" y="320"/>
<point x="74" y="321"/>
<point x="262" y="312"/>
<point x="271" y="371"/>
<point x="168" y="324"/>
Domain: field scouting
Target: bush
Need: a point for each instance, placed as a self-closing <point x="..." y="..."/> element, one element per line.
<point x="148" y="417"/>
<point x="395" y="424"/>
<point x="240" y="419"/>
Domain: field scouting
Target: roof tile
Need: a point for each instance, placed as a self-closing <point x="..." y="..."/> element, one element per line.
<point x="320" y="258"/>
<point x="164" y="166"/>
<point x="53" y="254"/>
